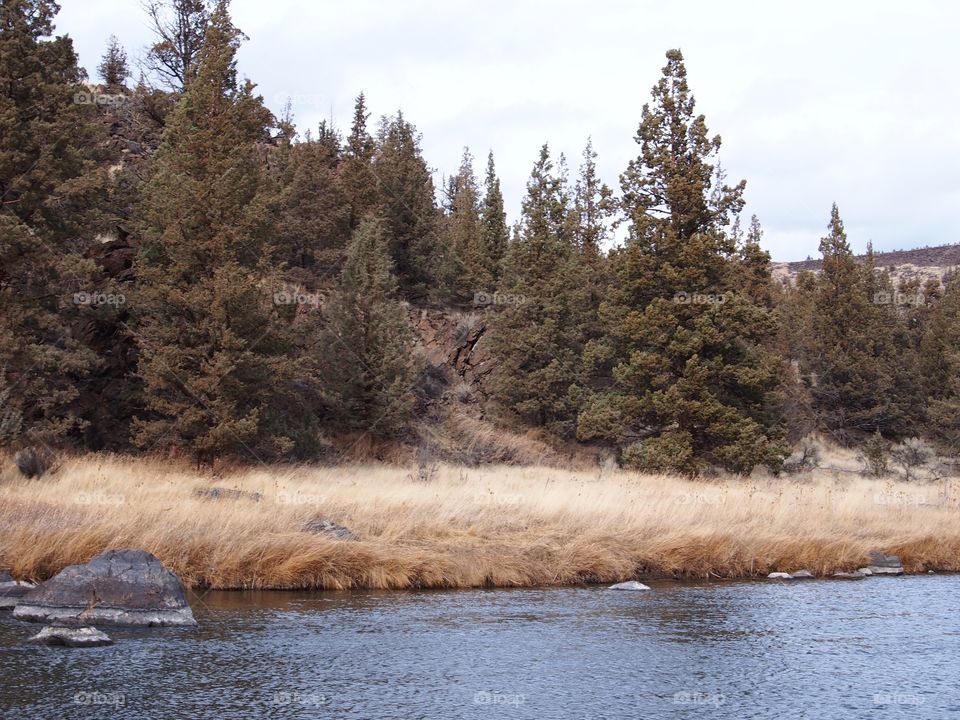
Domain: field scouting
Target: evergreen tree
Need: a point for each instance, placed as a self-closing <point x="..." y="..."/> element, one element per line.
<point x="940" y="368"/>
<point x="214" y="357"/>
<point x="52" y="206"/>
<point x="113" y="67"/>
<point x="851" y="344"/>
<point x="593" y="207"/>
<point x="695" y="378"/>
<point x="537" y="328"/>
<point x="464" y="234"/>
<point x="406" y="204"/>
<point x="366" y="364"/>
<point x="357" y="179"/>
<point x="313" y="226"/>
<point x="493" y="221"/>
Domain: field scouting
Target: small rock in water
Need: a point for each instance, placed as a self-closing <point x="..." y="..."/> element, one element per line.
<point x="780" y="576"/>
<point x="629" y="585"/>
<point x="11" y="591"/>
<point x="865" y="571"/>
<point x="325" y="527"/>
<point x="72" y="637"/>
<point x="801" y="575"/>
<point x="849" y="575"/>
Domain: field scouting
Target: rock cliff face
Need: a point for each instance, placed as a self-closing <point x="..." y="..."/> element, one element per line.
<point x="456" y="343"/>
<point x="920" y="264"/>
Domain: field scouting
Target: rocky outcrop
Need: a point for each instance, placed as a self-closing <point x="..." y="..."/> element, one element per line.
<point x="629" y="585"/>
<point x="72" y="637"/>
<point x="325" y="527"/>
<point x="118" y="587"/>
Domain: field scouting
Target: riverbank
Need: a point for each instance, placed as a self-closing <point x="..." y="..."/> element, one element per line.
<point x="464" y="527"/>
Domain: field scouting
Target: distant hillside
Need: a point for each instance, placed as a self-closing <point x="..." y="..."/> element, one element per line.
<point x="922" y="263"/>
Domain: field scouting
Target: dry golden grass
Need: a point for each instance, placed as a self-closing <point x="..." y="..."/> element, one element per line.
<point x="502" y="526"/>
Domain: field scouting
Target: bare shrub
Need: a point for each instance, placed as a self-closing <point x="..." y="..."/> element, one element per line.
<point x="912" y="455"/>
<point x="33" y="462"/>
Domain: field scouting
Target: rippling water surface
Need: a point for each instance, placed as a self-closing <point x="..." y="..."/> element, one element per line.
<point x="877" y="648"/>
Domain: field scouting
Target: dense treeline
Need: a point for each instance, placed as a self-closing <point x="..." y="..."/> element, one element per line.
<point x="267" y="306"/>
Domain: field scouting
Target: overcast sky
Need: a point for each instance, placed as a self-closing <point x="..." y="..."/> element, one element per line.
<point x="853" y="102"/>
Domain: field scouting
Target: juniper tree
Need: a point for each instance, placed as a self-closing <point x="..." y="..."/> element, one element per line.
<point x="493" y="220"/>
<point x="539" y="331"/>
<point x="113" y="67"/>
<point x="406" y="204"/>
<point x="356" y="174"/>
<point x="365" y="360"/>
<point x="214" y="357"/>
<point x="694" y="377"/>
<point x="940" y="368"/>
<point x="470" y="273"/>
<point x="52" y="206"/>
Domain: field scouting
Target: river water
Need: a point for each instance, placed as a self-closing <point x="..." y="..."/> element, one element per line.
<point x="876" y="648"/>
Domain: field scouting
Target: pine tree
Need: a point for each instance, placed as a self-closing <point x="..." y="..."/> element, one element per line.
<point x="694" y="380"/>
<point x="52" y="206"/>
<point x="113" y="67"/>
<point x="365" y="349"/>
<point x="214" y="356"/>
<point x="593" y="207"/>
<point x="493" y="220"/>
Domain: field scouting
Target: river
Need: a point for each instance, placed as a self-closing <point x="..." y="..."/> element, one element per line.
<point x="875" y="648"/>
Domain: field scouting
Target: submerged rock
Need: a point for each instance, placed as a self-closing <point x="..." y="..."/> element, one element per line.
<point x="802" y="575"/>
<point x="325" y="527"/>
<point x="71" y="637"/>
<point x="779" y="576"/>
<point x="629" y="585"/>
<point x="118" y="587"/>
<point x="849" y="575"/>
<point x="11" y="591"/>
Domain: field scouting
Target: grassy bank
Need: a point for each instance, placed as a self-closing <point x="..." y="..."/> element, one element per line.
<point x="500" y="526"/>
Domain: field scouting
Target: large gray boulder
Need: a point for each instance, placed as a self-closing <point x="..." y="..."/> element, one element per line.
<point x="72" y="637"/>
<point x="118" y="587"/>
